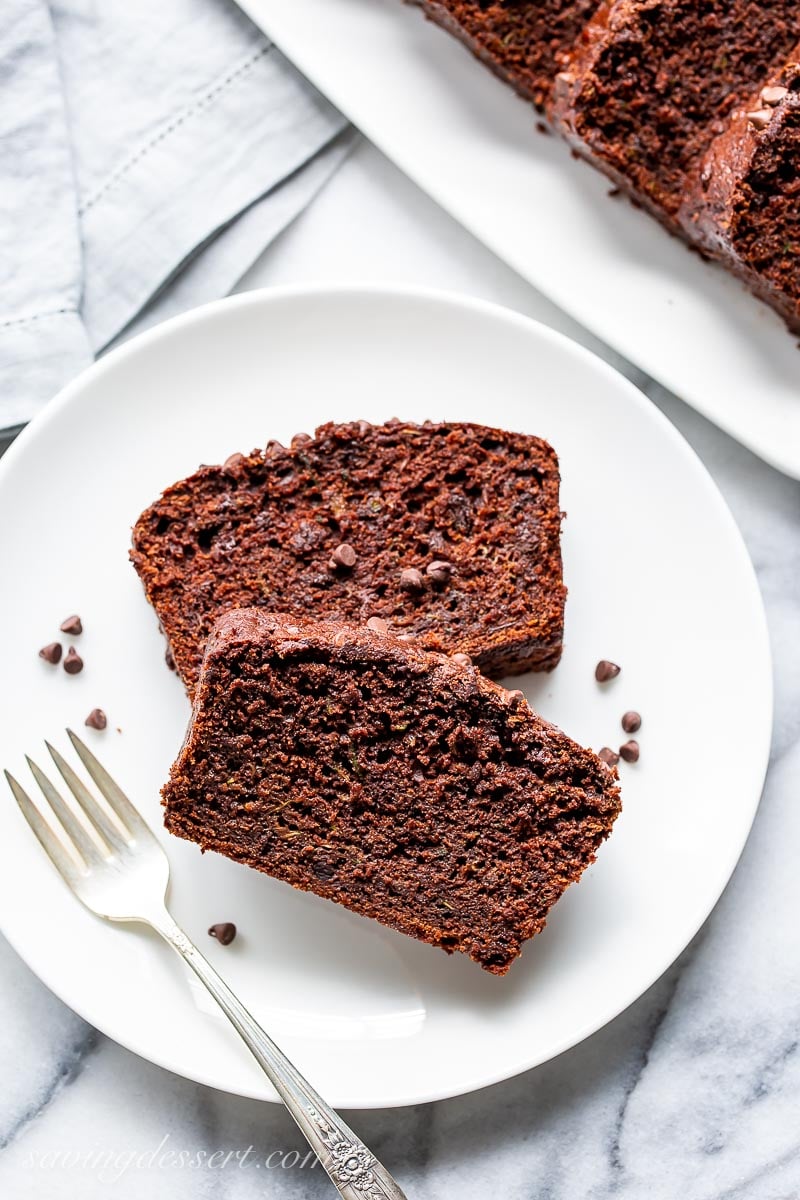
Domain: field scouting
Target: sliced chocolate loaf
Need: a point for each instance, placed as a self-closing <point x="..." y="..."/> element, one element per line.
<point x="450" y="532"/>
<point x="651" y="82"/>
<point x="745" y="206"/>
<point x="522" y="41"/>
<point x="397" y="782"/>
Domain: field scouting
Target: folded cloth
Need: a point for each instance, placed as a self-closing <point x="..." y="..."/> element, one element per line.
<point x="149" y="151"/>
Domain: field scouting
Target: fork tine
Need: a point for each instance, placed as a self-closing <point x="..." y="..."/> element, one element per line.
<point x="118" y="839"/>
<point x="90" y="851"/>
<point x="114" y="796"/>
<point x="54" y="849"/>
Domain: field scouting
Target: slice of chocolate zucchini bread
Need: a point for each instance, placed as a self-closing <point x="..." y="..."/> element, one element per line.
<point x="651" y="81"/>
<point x="449" y="532"/>
<point x="522" y="41"/>
<point x="745" y="207"/>
<point x="397" y="782"/>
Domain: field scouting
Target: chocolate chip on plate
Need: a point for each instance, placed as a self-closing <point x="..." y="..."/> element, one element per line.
<point x="72" y="625"/>
<point x="630" y="751"/>
<point x="51" y="652"/>
<point x="631" y="721"/>
<point x="377" y="625"/>
<point x="411" y="580"/>
<point x="96" y="719"/>
<point x="73" y="663"/>
<point x="606" y="670"/>
<point x="609" y="756"/>
<point x="439" y="571"/>
<point x="224" y="932"/>
<point x="344" y="556"/>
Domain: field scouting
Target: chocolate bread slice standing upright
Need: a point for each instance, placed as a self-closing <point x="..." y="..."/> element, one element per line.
<point x="449" y="532"/>
<point x="745" y="205"/>
<point x="651" y="82"/>
<point x="522" y="41"/>
<point x="397" y="782"/>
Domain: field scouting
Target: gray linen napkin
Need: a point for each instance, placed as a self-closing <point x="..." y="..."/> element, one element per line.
<point x="149" y="151"/>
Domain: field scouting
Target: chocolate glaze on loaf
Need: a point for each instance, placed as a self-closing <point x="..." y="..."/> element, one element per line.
<point x="389" y="779"/>
<point x="278" y="529"/>
<point x="745" y="206"/>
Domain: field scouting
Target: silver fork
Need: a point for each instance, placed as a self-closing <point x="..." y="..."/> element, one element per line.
<point x="120" y="872"/>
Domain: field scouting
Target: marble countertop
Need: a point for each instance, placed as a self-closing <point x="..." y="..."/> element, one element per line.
<point x="694" y="1091"/>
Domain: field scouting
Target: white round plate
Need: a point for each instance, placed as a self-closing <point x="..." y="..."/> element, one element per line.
<point x="659" y="581"/>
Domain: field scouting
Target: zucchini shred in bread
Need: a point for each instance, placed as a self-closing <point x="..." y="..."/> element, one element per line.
<point x="395" y="781"/>
<point x="449" y="532"/>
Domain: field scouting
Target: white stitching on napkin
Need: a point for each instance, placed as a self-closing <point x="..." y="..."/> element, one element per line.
<point x="202" y="102"/>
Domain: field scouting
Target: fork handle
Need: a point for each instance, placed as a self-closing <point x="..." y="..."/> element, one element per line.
<point x="353" y="1169"/>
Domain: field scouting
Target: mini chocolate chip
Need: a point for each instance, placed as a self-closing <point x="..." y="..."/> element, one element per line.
<point x="72" y="625"/>
<point x="631" y="721"/>
<point x="411" y="580"/>
<point x="439" y="571"/>
<point x="772" y="96"/>
<point x="169" y="659"/>
<point x="51" y="652"/>
<point x="300" y="439"/>
<point x="630" y="751"/>
<point x="273" y="447"/>
<point x="377" y="625"/>
<point x="96" y="719"/>
<point x="606" y="670"/>
<point x="73" y="663"/>
<point x="607" y="755"/>
<point x="224" y="932"/>
<point x="463" y="660"/>
<point x="344" y="556"/>
<point x="394" y="421"/>
<point x="232" y="463"/>
<point x="761" y="118"/>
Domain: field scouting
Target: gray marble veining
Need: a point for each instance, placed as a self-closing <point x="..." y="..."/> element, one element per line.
<point x="692" y="1092"/>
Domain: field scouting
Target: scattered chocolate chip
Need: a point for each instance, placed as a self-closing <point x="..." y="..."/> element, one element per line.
<point x="273" y="447"/>
<point x="377" y="625"/>
<point x="439" y="571"/>
<point x="608" y="756"/>
<point x="630" y="751"/>
<point x="761" y="118"/>
<point x="96" y="719"/>
<point x="344" y="556"/>
<point x="631" y="721"/>
<point x="411" y="580"/>
<point x="772" y="96"/>
<point x="51" y="652"/>
<point x="169" y="659"/>
<point x="300" y="439"/>
<point x="364" y="427"/>
<point x="463" y="660"/>
<point x="606" y="670"/>
<point x="224" y="932"/>
<point x="72" y="625"/>
<point x="232" y="463"/>
<point x="394" y="421"/>
<point x="73" y="663"/>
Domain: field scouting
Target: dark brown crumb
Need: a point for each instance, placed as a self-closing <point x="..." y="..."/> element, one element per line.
<point x="397" y="782"/>
<point x="448" y="532"/>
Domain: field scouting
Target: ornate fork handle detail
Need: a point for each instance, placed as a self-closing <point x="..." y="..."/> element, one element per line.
<point x="353" y="1169"/>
